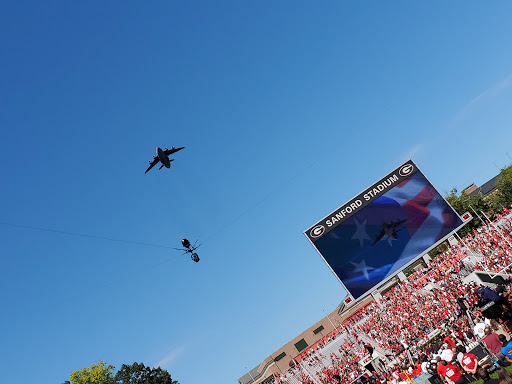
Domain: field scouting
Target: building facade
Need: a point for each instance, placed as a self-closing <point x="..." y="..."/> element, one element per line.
<point x="280" y="361"/>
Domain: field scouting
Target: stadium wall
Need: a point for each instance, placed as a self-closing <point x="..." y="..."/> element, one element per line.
<point x="279" y="361"/>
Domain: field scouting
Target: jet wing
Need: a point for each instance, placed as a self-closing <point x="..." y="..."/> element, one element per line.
<point x="152" y="164"/>
<point x="379" y="236"/>
<point x="172" y="150"/>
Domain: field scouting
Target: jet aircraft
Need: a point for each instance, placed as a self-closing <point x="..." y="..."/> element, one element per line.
<point x="163" y="157"/>
<point x="390" y="230"/>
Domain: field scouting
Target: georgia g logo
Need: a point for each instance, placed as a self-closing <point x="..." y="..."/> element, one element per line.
<point x="406" y="170"/>
<point x="317" y="231"/>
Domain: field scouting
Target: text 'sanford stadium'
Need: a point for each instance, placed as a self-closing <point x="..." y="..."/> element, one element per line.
<point x="383" y="229"/>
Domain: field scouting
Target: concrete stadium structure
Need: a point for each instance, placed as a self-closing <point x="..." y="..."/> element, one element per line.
<point x="280" y="360"/>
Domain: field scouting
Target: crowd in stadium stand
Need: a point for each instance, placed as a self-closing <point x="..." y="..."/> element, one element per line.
<point x="495" y="247"/>
<point x="399" y="325"/>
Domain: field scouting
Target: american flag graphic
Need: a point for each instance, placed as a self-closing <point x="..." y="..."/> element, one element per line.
<point x="388" y="233"/>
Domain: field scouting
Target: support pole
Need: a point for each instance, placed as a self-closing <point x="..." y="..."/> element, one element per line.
<point x="482" y="220"/>
<point x="326" y="315"/>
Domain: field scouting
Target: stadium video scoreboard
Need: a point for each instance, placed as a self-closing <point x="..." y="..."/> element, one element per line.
<point x="378" y="233"/>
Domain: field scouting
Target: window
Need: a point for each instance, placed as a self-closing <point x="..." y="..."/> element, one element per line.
<point x="279" y="357"/>
<point x="319" y="329"/>
<point x="301" y="345"/>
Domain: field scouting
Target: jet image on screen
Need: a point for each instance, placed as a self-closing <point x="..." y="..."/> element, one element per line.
<point x="391" y="231"/>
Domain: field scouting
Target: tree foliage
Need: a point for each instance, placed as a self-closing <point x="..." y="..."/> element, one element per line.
<point x="438" y="250"/>
<point x="491" y="205"/>
<point x="503" y="197"/>
<point x="97" y="373"/>
<point x="138" y="373"/>
<point x="463" y="203"/>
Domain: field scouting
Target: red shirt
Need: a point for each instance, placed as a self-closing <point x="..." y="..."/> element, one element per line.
<point x="418" y="370"/>
<point x="493" y="343"/>
<point x="448" y="340"/>
<point x="452" y="372"/>
<point x="469" y="361"/>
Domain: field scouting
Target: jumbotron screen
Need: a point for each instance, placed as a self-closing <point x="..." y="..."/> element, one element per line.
<point x="376" y="234"/>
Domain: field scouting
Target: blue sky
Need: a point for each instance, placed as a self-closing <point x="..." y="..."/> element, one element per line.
<point x="286" y="109"/>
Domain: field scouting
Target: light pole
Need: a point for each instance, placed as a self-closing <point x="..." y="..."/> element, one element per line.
<point x="252" y="378"/>
<point x="463" y="242"/>
<point x="326" y="315"/>
<point x="483" y="221"/>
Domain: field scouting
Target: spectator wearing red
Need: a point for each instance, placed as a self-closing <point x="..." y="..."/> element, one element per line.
<point x="448" y="339"/>
<point x="453" y="373"/>
<point x="492" y="341"/>
<point x="403" y="376"/>
<point x="440" y="367"/>
<point x="469" y="361"/>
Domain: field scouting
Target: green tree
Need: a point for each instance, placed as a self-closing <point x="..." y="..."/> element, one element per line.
<point x="503" y="196"/>
<point x="138" y="373"/>
<point x="408" y="272"/>
<point x="98" y="373"/>
<point x="438" y="250"/>
<point x="463" y="203"/>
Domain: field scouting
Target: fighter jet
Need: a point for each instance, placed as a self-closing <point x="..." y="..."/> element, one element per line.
<point x="390" y="230"/>
<point x="163" y="157"/>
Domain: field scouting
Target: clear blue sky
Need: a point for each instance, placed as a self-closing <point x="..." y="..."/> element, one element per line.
<point x="287" y="109"/>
